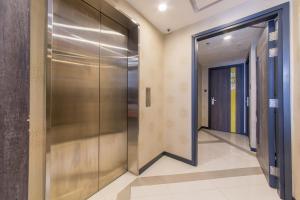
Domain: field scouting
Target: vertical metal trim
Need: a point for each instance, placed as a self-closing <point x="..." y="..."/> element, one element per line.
<point x="48" y="99"/>
<point x="133" y="99"/>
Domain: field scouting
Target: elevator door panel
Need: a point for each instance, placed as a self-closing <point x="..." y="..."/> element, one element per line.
<point x="74" y="101"/>
<point x="113" y="101"/>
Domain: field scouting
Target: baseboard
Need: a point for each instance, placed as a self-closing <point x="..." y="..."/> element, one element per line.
<point x="151" y="162"/>
<point x="187" y="161"/>
<point x="203" y="127"/>
<point x="253" y="149"/>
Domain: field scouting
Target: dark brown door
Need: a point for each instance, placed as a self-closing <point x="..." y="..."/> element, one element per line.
<point x="262" y="102"/>
<point x="219" y="101"/>
<point x="266" y="111"/>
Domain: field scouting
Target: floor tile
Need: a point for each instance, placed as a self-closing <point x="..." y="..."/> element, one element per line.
<point x="213" y="157"/>
<point x="196" y="195"/>
<point x="252" y="192"/>
<point x="204" y="137"/>
<point x="111" y="191"/>
<point x="237" y="139"/>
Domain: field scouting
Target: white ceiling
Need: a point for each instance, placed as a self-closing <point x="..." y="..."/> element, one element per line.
<point x="216" y="51"/>
<point x="180" y="13"/>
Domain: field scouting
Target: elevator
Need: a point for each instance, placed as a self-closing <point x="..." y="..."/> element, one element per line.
<point x="92" y="86"/>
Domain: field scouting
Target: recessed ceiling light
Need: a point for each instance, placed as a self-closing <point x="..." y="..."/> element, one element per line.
<point x="227" y="37"/>
<point x="162" y="7"/>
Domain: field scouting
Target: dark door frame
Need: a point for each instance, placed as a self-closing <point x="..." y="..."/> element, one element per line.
<point x="247" y="98"/>
<point x="245" y="119"/>
<point x="284" y="121"/>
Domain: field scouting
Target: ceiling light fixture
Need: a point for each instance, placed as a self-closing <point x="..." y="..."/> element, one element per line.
<point x="162" y="7"/>
<point x="228" y="37"/>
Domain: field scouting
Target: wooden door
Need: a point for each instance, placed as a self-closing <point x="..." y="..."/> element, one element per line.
<point x="266" y="113"/>
<point x="227" y="101"/>
<point x="219" y="101"/>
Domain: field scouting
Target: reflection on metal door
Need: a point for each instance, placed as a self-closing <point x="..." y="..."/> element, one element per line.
<point x="86" y="101"/>
<point x="73" y="123"/>
<point x="113" y="101"/>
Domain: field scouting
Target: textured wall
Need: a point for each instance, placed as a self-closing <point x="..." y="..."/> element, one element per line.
<point x="204" y="96"/>
<point x="37" y="140"/>
<point x="177" y="65"/>
<point x="14" y="101"/>
<point x="151" y="75"/>
<point x="296" y="98"/>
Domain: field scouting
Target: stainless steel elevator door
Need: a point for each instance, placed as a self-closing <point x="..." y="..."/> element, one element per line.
<point x="73" y="127"/>
<point x="113" y="101"/>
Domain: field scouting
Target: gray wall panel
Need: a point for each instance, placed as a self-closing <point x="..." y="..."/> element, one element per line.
<point x="14" y="101"/>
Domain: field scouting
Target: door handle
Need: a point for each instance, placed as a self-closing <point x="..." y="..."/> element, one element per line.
<point x="213" y="100"/>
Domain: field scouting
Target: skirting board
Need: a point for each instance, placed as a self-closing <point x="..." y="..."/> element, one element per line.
<point x="253" y="149"/>
<point x="151" y="162"/>
<point x="203" y="127"/>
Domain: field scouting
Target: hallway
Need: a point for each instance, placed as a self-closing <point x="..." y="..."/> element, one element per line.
<point x="226" y="171"/>
<point x="111" y="100"/>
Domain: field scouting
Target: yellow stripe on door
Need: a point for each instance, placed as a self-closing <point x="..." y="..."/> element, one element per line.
<point x="233" y="100"/>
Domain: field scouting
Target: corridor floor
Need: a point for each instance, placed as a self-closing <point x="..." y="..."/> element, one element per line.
<point x="227" y="170"/>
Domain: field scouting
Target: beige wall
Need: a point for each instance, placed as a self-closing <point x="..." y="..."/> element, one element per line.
<point x="177" y="70"/>
<point x="252" y="96"/>
<point x="204" y="96"/>
<point x="296" y="97"/>
<point x="200" y="124"/>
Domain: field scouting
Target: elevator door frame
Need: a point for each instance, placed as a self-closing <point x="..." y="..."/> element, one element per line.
<point x="284" y="122"/>
<point x="133" y="73"/>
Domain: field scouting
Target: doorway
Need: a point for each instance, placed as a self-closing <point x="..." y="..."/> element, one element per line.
<point x="278" y="104"/>
<point x="227" y="99"/>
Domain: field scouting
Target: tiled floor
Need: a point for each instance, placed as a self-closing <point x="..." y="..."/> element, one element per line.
<point x="238" y="188"/>
<point x="237" y="139"/>
<point x="225" y="172"/>
<point x="204" y="137"/>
